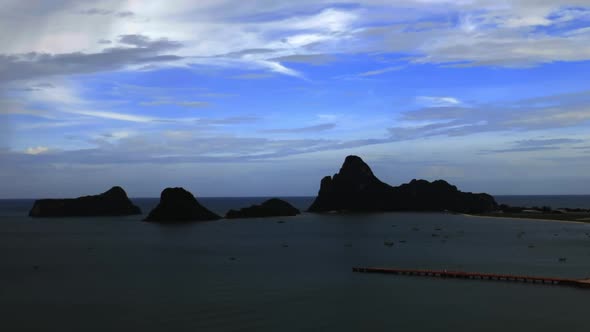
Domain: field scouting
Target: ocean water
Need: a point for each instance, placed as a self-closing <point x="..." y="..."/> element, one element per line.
<point x="111" y="274"/>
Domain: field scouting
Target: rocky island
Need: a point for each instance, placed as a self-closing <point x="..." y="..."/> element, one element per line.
<point x="356" y="188"/>
<point x="270" y="208"/>
<point x="113" y="202"/>
<point x="179" y="205"/>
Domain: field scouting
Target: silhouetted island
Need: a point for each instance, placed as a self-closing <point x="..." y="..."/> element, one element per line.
<point x="355" y="188"/>
<point x="179" y="205"/>
<point x="270" y="208"/>
<point x="113" y="202"/>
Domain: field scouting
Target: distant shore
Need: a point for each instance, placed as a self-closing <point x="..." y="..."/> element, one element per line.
<point x="583" y="218"/>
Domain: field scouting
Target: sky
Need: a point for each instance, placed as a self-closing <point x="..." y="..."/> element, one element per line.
<point x="264" y="98"/>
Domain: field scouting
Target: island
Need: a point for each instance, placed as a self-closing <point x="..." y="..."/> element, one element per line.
<point x="356" y="189"/>
<point x="179" y="205"/>
<point x="113" y="202"/>
<point x="273" y="207"/>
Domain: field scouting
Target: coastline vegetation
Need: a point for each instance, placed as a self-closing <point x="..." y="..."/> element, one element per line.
<point x="541" y="213"/>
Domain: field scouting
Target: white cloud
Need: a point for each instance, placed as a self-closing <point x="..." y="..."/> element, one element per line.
<point x="499" y="33"/>
<point x="36" y="150"/>
<point x="429" y="101"/>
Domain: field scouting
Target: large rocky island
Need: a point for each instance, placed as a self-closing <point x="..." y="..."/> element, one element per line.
<point x="273" y="207"/>
<point x="356" y="188"/>
<point x="113" y="202"/>
<point x="179" y="205"/>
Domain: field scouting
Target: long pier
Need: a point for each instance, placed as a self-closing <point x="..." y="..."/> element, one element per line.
<point x="580" y="283"/>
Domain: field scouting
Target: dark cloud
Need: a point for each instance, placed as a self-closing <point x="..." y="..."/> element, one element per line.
<point x="313" y="59"/>
<point x="34" y="87"/>
<point x="125" y="13"/>
<point x="135" y="40"/>
<point x="106" y="12"/>
<point x="96" y="11"/>
<point x="35" y="65"/>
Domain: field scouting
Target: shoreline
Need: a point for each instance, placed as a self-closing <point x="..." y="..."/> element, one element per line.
<point x="530" y="218"/>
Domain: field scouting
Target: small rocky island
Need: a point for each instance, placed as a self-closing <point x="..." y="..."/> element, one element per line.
<point x="113" y="202"/>
<point x="179" y="205"/>
<point x="355" y="188"/>
<point x="271" y="208"/>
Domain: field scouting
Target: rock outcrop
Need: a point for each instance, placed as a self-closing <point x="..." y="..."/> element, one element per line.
<point x="113" y="202"/>
<point x="271" y="208"/>
<point x="179" y="205"/>
<point x="356" y="188"/>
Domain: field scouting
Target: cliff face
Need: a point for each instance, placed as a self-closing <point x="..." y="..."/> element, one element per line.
<point x="113" y="202"/>
<point x="179" y="205"/>
<point x="356" y="188"/>
<point x="271" y="208"/>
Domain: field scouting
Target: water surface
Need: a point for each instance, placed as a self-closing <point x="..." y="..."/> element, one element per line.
<point x="99" y="274"/>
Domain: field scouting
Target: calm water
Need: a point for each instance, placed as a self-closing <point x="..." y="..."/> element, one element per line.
<point x="110" y="274"/>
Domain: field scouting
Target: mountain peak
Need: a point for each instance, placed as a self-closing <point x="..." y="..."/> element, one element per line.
<point x="354" y="166"/>
<point x="356" y="188"/>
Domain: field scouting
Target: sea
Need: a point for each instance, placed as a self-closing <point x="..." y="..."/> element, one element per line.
<point x="290" y="273"/>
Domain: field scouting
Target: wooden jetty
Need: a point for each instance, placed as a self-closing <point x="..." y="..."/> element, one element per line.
<point x="580" y="283"/>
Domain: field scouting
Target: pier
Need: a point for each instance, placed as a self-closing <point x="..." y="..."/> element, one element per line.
<point x="580" y="283"/>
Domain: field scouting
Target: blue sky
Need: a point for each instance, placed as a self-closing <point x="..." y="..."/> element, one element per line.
<point x="257" y="98"/>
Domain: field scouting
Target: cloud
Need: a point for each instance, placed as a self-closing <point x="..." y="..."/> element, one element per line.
<point x="106" y="12"/>
<point x="437" y="101"/>
<point x="232" y="120"/>
<point x="538" y="145"/>
<point x="477" y="32"/>
<point x="309" y="129"/>
<point x="38" y="65"/>
<point x="191" y="104"/>
<point x="551" y="112"/>
<point x="12" y="107"/>
<point x="37" y="150"/>
<point x="114" y="115"/>
<point x="279" y="68"/>
<point x="380" y="71"/>
<point x="313" y="59"/>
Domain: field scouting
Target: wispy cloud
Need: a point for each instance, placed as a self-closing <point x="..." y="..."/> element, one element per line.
<point x="114" y="115"/>
<point x="106" y="12"/>
<point x="36" y="150"/>
<point x="13" y="107"/>
<point x="309" y="129"/>
<point x="429" y="101"/>
<point x="380" y="71"/>
<point x="191" y="104"/>
<point x="565" y="110"/>
<point x="538" y="145"/>
<point x="313" y="59"/>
